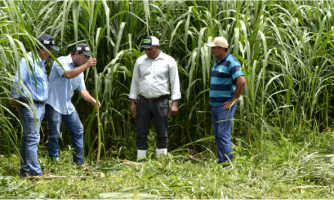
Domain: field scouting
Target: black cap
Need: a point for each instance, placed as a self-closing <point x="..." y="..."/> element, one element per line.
<point x="48" y="41"/>
<point x="83" y="48"/>
<point x="150" y="41"/>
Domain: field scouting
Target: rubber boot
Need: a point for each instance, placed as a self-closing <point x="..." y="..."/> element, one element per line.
<point x="141" y="154"/>
<point x="160" y="152"/>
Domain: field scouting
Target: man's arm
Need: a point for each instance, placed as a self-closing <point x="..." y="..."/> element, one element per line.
<point x="134" y="89"/>
<point x="76" y="71"/>
<point x="174" y="81"/>
<point x="175" y="88"/>
<point x="241" y="81"/>
<point x="87" y="97"/>
<point x="21" y="76"/>
<point x="133" y="107"/>
<point x="173" y="108"/>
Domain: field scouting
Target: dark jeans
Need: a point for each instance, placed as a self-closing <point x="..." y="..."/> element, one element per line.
<point x="145" y="112"/>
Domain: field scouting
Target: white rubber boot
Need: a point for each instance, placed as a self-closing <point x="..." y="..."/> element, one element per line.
<point x="141" y="154"/>
<point x="160" y="152"/>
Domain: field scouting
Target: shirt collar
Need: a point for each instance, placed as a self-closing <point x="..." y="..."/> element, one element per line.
<point x="30" y="55"/>
<point x="161" y="56"/>
<point x="69" y="58"/>
<point x="37" y="60"/>
<point x="222" y="60"/>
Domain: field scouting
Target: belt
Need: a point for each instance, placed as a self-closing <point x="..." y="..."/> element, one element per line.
<point x="154" y="99"/>
<point x="25" y="100"/>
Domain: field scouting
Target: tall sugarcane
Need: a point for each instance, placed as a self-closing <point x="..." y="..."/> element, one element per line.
<point x="98" y="116"/>
<point x="92" y="38"/>
<point x="95" y="47"/>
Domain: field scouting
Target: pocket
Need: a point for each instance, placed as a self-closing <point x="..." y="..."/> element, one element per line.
<point x="27" y="113"/>
<point x="164" y="103"/>
<point x="163" y="107"/>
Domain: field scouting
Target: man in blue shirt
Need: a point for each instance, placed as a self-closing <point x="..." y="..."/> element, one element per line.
<point x="63" y="81"/>
<point x="31" y="88"/>
<point x="226" y="86"/>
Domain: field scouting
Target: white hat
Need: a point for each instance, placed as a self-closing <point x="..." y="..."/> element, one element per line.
<point x="218" y="42"/>
<point x="150" y="41"/>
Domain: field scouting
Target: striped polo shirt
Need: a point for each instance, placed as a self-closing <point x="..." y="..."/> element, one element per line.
<point x="223" y="80"/>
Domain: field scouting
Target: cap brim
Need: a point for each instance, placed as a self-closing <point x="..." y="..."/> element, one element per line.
<point x="210" y="45"/>
<point x="146" y="46"/>
<point x="55" y="48"/>
<point x="87" y="53"/>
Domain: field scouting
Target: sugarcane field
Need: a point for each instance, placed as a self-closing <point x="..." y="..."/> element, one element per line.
<point x="164" y="99"/>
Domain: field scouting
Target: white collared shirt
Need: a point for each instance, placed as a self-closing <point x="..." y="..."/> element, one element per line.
<point x="151" y="78"/>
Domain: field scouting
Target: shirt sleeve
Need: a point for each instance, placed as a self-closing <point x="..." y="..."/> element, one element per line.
<point x="235" y="70"/>
<point x="82" y="85"/>
<point x="21" y="75"/>
<point x="174" y="81"/>
<point x="59" y="69"/>
<point x="134" y="89"/>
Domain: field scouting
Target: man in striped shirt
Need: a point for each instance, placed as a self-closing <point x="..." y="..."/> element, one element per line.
<point x="227" y="84"/>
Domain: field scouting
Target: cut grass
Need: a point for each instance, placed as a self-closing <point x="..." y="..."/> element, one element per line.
<point x="283" y="169"/>
<point x="285" y="49"/>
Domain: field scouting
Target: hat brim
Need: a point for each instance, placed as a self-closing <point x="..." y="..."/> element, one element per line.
<point x="55" y="48"/>
<point x="87" y="53"/>
<point x="146" y="46"/>
<point x="210" y="45"/>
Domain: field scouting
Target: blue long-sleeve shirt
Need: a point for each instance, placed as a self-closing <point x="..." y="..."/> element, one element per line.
<point x="34" y="79"/>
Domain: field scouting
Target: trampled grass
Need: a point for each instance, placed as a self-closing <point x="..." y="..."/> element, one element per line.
<point x="285" y="49"/>
<point x="300" y="168"/>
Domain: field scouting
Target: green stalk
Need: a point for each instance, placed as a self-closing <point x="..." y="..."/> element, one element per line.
<point x="98" y="117"/>
<point x="97" y="97"/>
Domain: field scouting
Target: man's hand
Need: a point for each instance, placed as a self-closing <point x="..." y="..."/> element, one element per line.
<point x="87" y="97"/>
<point x="91" y="62"/>
<point x="173" y="110"/>
<point x="241" y="81"/>
<point x="133" y="107"/>
<point x="13" y="103"/>
<point x="76" y="71"/>
<point x="227" y="105"/>
<point x="94" y="103"/>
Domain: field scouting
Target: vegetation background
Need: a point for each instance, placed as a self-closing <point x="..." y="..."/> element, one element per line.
<point x="284" y="117"/>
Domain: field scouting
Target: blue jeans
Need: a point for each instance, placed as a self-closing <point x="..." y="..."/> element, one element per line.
<point x="73" y="123"/>
<point x="29" y="163"/>
<point x="222" y="121"/>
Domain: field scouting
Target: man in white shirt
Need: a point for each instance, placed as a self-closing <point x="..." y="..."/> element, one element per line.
<point x="152" y="75"/>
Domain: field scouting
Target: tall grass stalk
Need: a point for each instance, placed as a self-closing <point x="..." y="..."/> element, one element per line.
<point x="284" y="48"/>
